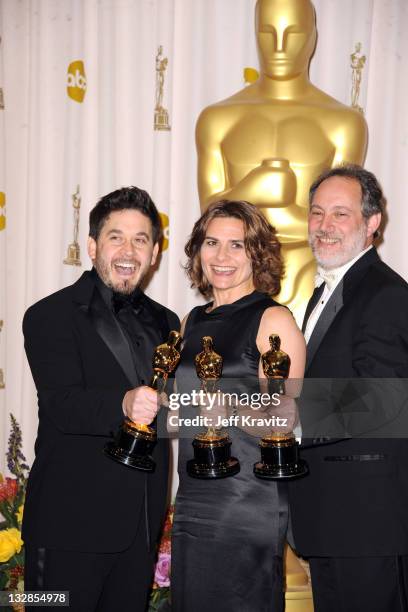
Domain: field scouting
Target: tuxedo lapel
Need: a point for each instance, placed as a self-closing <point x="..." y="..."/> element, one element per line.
<point x="90" y="302"/>
<point x="111" y="333"/>
<point x="326" y="318"/>
<point x="341" y="295"/>
<point x="354" y="276"/>
<point x="316" y="295"/>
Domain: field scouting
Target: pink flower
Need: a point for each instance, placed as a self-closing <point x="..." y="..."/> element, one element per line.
<point x="162" y="571"/>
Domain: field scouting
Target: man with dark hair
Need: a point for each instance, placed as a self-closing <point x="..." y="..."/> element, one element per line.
<point x="90" y="524"/>
<point x="127" y="198"/>
<point x="349" y="514"/>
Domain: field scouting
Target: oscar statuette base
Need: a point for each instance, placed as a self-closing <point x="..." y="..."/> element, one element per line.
<point x="280" y="458"/>
<point x="133" y="447"/>
<point x="212" y="458"/>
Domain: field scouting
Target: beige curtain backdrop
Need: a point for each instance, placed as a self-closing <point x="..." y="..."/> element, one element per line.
<point x="52" y="142"/>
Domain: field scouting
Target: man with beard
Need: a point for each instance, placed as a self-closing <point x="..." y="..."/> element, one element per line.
<point x="90" y="524"/>
<point x="349" y="514"/>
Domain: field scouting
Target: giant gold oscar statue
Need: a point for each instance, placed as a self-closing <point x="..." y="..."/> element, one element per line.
<point x="269" y="141"/>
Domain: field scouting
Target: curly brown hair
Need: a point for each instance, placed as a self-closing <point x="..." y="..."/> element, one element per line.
<point x="261" y="245"/>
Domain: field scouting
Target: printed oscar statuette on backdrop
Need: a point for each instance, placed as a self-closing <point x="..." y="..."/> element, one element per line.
<point x="135" y="442"/>
<point x="212" y="449"/>
<point x="73" y="257"/>
<point x="279" y="450"/>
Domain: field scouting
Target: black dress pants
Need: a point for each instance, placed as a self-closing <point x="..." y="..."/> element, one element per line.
<point x="97" y="582"/>
<point x="360" y="584"/>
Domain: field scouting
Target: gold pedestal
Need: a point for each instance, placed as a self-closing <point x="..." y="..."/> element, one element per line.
<point x="300" y="600"/>
<point x="298" y="589"/>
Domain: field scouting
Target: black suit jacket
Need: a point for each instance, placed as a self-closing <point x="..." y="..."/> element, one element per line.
<point x="354" y="500"/>
<point x="77" y="498"/>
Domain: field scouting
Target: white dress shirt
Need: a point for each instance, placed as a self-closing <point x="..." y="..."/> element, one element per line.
<point x="332" y="279"/>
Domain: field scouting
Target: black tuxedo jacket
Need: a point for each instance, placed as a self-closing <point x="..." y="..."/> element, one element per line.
<point x="354" y="500"/>
<point x="77" y="498"/>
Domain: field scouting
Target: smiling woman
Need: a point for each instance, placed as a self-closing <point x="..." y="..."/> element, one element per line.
<point x="233" y="234"/>
<point x="232" y="530"/>
<point x="224" y="260"/>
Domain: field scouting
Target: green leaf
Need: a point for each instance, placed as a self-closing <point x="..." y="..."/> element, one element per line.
<point x="3" y="576"/>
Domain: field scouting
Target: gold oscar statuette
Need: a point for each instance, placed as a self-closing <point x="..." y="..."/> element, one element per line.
<point x="73" y="257"/>
<point x="161" y="115"/>
<point x="279" y="451"/>
<point x="212" y="449"/>
<point x="135" y="442"/>
<point x="2" y="383"/>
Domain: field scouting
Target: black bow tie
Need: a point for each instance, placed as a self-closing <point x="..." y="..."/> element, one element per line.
<point x="122" y="300"/>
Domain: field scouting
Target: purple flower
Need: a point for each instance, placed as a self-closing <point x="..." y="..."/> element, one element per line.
<point x="15" y="458"/>
<point x="162" y="571"/>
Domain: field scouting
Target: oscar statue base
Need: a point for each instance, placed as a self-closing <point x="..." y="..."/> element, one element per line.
<point x="212" y="458"/>
<point x="161" y="119"/>
<point x="133" y="447"/>
<point x="280" y="459"/>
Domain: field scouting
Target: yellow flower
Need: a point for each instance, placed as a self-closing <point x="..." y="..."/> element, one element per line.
<point x="19" y="514"/>
<point x="10" y="543"/>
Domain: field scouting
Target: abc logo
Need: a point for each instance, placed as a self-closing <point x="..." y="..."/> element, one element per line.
<point x="2" y="210"/>
<point x="76" y="81"/>
<point x="165" y="227"/>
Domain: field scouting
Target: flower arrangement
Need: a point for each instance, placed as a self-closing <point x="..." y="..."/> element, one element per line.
<point x="160" y="594"/>
<point x="12" y="494"/>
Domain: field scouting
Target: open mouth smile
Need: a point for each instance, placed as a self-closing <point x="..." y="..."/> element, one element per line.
<point x="326" y="240"/>
<point x="124" y="268"/>
<point x="223" y="270"/>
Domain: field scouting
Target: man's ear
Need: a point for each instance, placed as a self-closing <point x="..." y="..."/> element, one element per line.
<point x="155" y="253"/>
<point x="91" y="245"/>
<point x="373" y="223"/>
